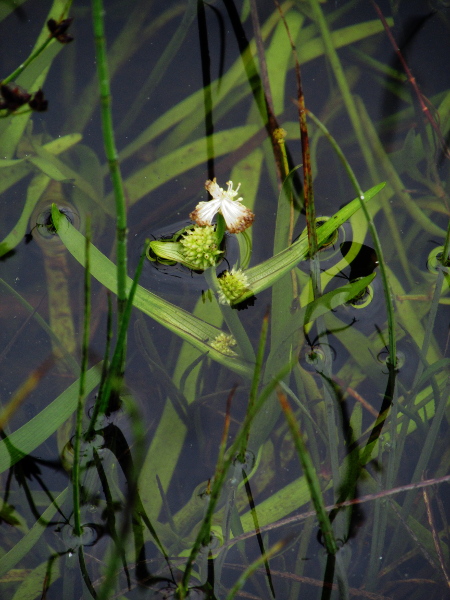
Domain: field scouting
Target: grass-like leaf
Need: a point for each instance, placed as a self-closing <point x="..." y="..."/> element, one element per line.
<point x="267" y="273"/>
<point x="194" y="330"/>
<point x="43" y="425"/>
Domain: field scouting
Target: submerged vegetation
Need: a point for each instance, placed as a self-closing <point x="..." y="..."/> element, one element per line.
<point x="238" y="396"/>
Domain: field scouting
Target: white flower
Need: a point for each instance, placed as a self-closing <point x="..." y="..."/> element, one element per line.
<point x="237" y="216"/>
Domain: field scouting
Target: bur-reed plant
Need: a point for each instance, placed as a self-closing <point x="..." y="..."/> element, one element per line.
<point x="126" y="518"/>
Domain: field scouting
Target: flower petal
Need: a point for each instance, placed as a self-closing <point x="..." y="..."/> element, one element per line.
<point x="205" y="211"/>
<point x="214" y="188"/>
<point x="237" y="216"/>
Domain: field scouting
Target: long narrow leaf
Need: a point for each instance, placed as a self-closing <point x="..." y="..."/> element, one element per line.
<point x="197" y="332"/>
<point x="267" y="273"/>
<point x="43" y="425"/>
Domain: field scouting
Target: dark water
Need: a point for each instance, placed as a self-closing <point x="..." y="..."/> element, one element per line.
<point x="386" y="545"/>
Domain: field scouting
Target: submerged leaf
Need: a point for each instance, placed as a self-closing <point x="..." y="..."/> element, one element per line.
<point x="31" y="435"/>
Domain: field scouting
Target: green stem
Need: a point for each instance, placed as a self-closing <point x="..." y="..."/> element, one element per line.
<point x="111" y="152"/>
<point x="15" y="74"/>
<point x="221" y="472"/>
<point x="375" y="239"/>
<point x="79" y="415"/>
<point x="259" y="364"/>
<point x="310" y="475"/>
<point x="341" y="80"/>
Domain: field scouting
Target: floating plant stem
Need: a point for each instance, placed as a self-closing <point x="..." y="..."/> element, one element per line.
<point x="84" y="572"/>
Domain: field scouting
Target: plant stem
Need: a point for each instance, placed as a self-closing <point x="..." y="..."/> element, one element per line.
<point x="25" y="64"/>
<point x="21" y="68"/>
<point x="84" y="360"/>
<point x="111" y="152"/>
<point x="375" y="238"/>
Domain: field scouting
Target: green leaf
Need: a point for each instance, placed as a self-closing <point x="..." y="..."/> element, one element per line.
<point x="6" y="8"/>
<point x="33" y="78"/>
<point x="182" y="159"/>
<point x="36" y="581"/>
<point x="432" y="370"/>
<point x="18" y="169"/>
<point x="15" y="236"/>
<point x="162" y="66"/>
<point x="21" y="549"/>
<point x="199" y="333"/>
<point x="168" y="250"/>
<point x="267" y="273"/>
<point x="26" y="439"/>
<point x="15" y="170"/>
<point x="59" y="171"/>
<point x="333" y="299"/>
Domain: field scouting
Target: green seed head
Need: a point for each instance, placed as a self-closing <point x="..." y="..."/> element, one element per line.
<point x="200" y="247"/>
<point x="223" y="343"/>
<point x="232" y="285"/>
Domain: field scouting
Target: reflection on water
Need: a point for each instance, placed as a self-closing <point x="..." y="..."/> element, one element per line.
<point x="148" y="465"/>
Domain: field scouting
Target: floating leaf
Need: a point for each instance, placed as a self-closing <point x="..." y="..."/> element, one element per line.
<point x="179" y="321"/>
<point x="267" y="273"/>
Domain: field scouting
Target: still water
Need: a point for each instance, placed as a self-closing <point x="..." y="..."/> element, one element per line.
<point x="189" y="99"/>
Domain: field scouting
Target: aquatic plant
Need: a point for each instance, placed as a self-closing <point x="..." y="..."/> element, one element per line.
<point x="174" y="444"/>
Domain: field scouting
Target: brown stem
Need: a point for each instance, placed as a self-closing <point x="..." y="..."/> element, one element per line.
<point x="423" y="101"/>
